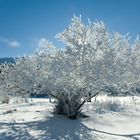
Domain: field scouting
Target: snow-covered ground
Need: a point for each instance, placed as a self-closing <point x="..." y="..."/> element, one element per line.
<point x="35" y="121"/>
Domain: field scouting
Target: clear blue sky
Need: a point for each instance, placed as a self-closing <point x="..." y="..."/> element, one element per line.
<point x="24" y="22"/>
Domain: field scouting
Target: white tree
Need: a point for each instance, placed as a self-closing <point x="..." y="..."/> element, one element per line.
<point x="5" y="69"/>
<point x="74" y="74"/>
<point x="22" y="78"/>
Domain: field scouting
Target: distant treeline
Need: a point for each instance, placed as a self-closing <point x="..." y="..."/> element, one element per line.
<point x="7" y="60"/>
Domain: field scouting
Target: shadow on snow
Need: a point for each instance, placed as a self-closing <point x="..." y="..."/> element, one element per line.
<point x="54" y="128"/>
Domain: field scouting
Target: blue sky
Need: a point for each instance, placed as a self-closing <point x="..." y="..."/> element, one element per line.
<point x="24" y="22"/>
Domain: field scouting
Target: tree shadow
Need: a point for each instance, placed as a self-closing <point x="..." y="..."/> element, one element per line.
<point x="53" y="128"/>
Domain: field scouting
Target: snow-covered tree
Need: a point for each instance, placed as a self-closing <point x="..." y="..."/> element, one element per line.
<point x="5" y="69"/>
<point x="22" y="78"/>
<point x="135" y="65"/>
<point x="75" y="74"/>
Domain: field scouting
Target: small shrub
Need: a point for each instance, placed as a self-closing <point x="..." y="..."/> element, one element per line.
<point x="113" y="105"/>
<point x="5" y="100"/>
<point x="10" y="111"/>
